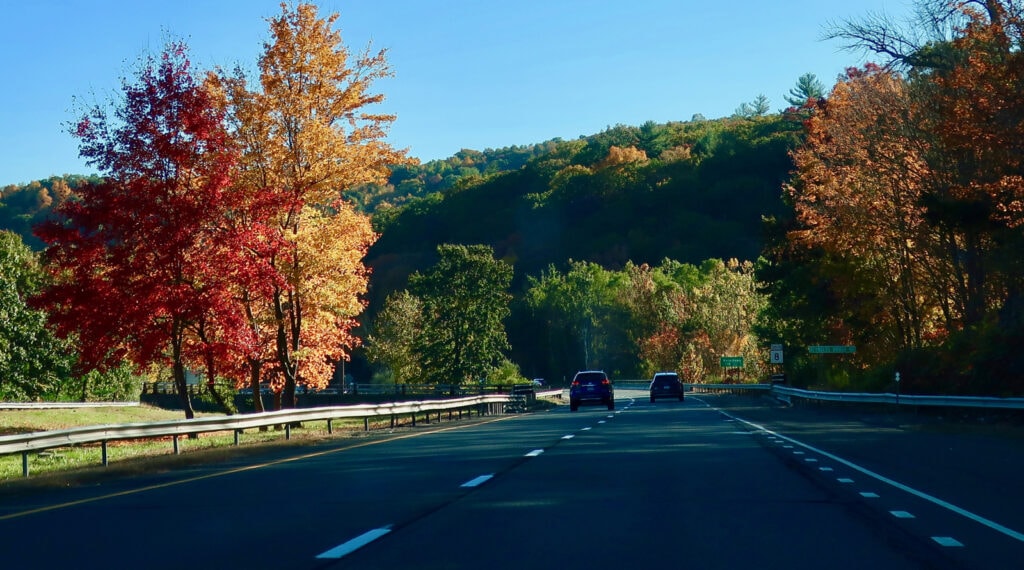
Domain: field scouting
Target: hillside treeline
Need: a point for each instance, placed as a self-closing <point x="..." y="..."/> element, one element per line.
<point x="681" y="192"/>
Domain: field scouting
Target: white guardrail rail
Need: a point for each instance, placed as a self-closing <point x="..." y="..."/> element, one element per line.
<point x="786" y="394"/>
<point x="37" y="441"/>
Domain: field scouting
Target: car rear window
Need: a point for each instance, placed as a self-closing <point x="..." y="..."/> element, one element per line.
<point x="590" y="377"/>
<point x="666" y="378"/>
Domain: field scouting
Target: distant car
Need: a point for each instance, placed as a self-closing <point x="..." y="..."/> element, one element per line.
<point x="591" y="387"/>
<point x="537" y="381"/>
<point x="666" y="385"/>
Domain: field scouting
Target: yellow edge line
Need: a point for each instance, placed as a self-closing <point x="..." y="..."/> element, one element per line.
<point x="237" y="470"/>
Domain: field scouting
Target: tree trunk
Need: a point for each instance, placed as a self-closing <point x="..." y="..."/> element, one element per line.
<point x="180" y="381"/>
<point x="254" y="385"/>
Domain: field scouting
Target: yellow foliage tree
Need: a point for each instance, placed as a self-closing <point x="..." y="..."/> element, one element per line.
<point x="306" y="136"/>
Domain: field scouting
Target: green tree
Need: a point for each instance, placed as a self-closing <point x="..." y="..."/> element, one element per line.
<point x="398" y="329"/>
<point x="579" y="308"/>
<point x="807" y="89"/>
<point x="759" y="107"/>
<point x="33" y="362"/>
<point x="465" y="303"/>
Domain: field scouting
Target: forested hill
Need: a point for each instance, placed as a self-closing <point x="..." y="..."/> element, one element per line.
<point x="24" y="206"/>
<point x="688" y="191"/>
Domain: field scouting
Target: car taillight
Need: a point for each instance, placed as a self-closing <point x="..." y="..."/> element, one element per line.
<point x="575" y="382"/>
<point x="606" y="382"/>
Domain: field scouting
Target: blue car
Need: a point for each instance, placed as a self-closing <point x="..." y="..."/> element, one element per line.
<point x="666" y="385"/>
<point x="591" y="387"/>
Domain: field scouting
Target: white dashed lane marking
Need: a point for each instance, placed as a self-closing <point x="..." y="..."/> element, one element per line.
<point x="947" y="541"/>
<point x="356" y="543"/>
<point x="478" y="481"/>
<point x="942" y="540"/>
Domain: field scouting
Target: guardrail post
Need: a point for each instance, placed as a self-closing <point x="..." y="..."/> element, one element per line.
<point x="414" y="419"/>
<point x="330" y="426"/>
<point x="177" y="451"/>
<point x="24" y="463"/>
<point x="287" y="431"/>
<point x="237" y="433"/>
<point x="366" y="424"/>
<point x="103" y="445"/>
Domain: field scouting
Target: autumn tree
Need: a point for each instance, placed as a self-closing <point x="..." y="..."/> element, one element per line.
<point x="143" y="259"/>
<point x="465" y="303"/>
<point x="306" y="136"/>
<point x="911" y="185"/>
<point x="857" y="192"/>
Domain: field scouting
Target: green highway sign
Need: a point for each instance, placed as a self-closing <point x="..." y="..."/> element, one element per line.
<point x="732" y="362"/>
<point x="826" y="349"/>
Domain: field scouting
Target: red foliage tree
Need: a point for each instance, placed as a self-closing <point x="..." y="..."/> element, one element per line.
<point x="148" y="263"/>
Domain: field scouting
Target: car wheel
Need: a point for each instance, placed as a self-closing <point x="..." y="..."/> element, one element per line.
<point x="681" y="398"/>
<point x="573" y="406"/>
<point x="652" y="399"/>
<point x="611" y="405"/>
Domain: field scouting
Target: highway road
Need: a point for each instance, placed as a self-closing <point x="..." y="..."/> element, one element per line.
<point x="712" y="482"/>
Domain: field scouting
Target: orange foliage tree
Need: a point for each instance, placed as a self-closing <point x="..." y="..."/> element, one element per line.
<point x="305" y="137"/>
<point x="913" y="187"/>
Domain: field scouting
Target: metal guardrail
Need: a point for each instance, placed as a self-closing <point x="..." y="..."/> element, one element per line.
<point x="37" y="441"/>
<point x="787" y="393"/>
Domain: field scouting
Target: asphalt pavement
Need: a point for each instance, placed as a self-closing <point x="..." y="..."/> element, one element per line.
<point x="712" y="482"/>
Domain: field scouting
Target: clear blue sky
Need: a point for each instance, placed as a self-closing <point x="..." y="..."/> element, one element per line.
<point x="469" y="73"/>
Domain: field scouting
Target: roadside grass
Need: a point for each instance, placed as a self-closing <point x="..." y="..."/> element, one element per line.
<point x="67" y="465"/>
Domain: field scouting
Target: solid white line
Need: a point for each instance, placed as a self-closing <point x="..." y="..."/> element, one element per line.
<point x="935" y="500"/>
<point x="947" y="541"/>
<point x="356" y="543"/>
<point x="902" y="514"/>
<point x="570" y="436"/>
<point x="869" y="495"/>
<point x="535" y="453"/>
<point x="478" y="481"/>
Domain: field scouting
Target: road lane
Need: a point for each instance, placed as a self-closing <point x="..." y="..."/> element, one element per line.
<point x="957" y="484"/>
<point x="646" y="485"/>
<point x="654" y="486"/>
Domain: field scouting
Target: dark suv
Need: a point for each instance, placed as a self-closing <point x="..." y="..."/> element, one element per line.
<point x="591" y="387"/>
<point x="666" y="385"/>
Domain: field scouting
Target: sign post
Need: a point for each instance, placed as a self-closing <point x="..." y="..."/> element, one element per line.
<point x="897" y="388"/>
<point x="731" y="362"/>
<point x="728" y="362"/>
